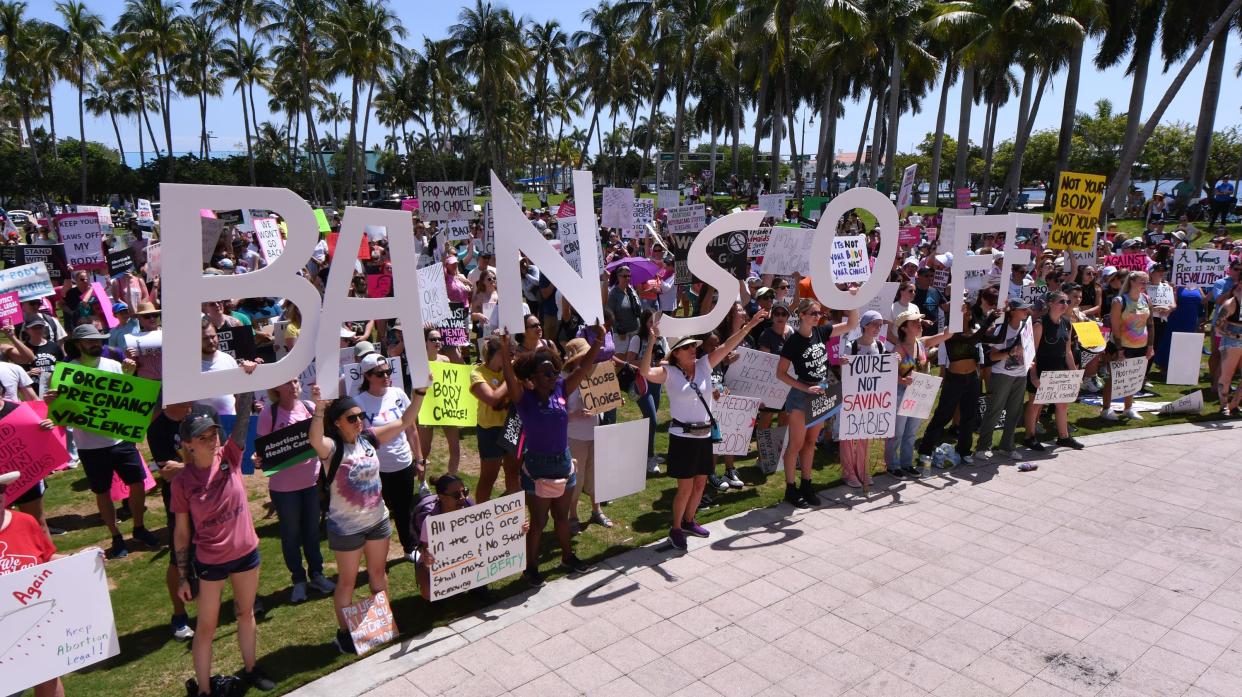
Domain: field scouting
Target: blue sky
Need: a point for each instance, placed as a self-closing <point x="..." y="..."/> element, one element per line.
<point x="434" y="18"/>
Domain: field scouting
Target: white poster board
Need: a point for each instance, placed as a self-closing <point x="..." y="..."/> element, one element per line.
<point x="351" y="373"/>
<point x="476" y="545"/>
<point x="445" y="200"/>
<point x="212" y="229"/>
<point x="31" y="281"/>
<point x="789" y="251"/>
<point x="82" y="237"/>
<point x="104" y="213"/>
<point x="55" y="618"/>
<point x="434" y="294"/>
<point x="1185" y="358"/>
<point x="644" y="213"/>
<point x="735" y="415"/>
<point x="1058" y="386"/>
<point x="850" y="263"/>
<point x="1193" y="268"/>
<point x="146" y="217"/>
<point x="753" y="374"/>
<point x="620" y="459"/>
<point x="267" y="232"/>
<point x="370" y="622"/>
<point x="668" y="198"/>
<point x="154" y="255"/>
<point x="1188" y="404"/>
<point x="920" y="396"/>
<point x="1128" y="376"/>
<point x="618" y="208"/>
<point x="773" y="205"/>
<point x="685" y="219"/>
<point x="906" y="190"/>
<point x="757" y="242"/>
<point x="457" y="230"/>
<point x="868" y="396"/>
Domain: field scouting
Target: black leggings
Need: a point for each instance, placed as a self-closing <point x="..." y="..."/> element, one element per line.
<point x="956" y="390"/>
<point x="398" y="490"/>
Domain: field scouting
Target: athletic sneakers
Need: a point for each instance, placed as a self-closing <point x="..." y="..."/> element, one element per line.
<point x="118" y="550"/>
<point x="344" y="642"/>
<point x="320" y="583"/>
<point x="1109" y="415"/>
<point x="1070" y="443"/>
<point x="257" y="679"/>
<point x="181" y="629"/>
<point x="573" y="565"/>
<point x="533" y="578"/>
<point x="299" y="593"/>
<point x="968" y="459"/>
<point x="1033" y="444"/>
<point x="1133" y="413"/>
<point x="733" y="480"/>
<point x="691" y="527"/>
<point x="1010" y="454"/>
<point x="677" y="538"/>
<point x="653" y="465"/>
<point x="145" y="537"/>
<point x="717" y="483"/>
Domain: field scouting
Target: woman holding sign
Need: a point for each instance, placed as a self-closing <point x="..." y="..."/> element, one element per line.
<point x="434" y="339"/>
<point x="537" y="387"/>
<point x="357" y="517"/>
<point x="1054" y="350"/>
<point x="1229" y="329"/>
<point x="911" y="349"/>
<point x="688" y="379"/>
<point x="1130" y="318"/>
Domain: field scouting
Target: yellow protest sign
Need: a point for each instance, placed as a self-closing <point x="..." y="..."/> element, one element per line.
<point x="1080" y="197"/>
<point x="1089" y="334"/>
<point x="449" y="401"/>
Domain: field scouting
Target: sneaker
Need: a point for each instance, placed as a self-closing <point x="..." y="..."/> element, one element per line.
<point x="733" y="480"/>
<point x="145" y="537"/>
<point x="574" y="565"/>
<point x="968" y="459"/>
<point x="73" y="464"/>
<point x="1032" y="444"/>
<point x="1027" y="467"/>
<point x="705" y="502"/>
<point x="1109" y="415"/>
<point x="598" y="518"/>
<point x="1098" y="383"/>
<point x="987" y="454"/>
<point x="897" y="473"/>
<point x="1070" y="442"/>
<point x="181" y="630"/>
<point x="1133" y="413"/>
<point x="533" y="578"/>
<point x="344" y="642"/>
<point x="57" y="532"/>
<point x="257" y="679"/>
<point x="1009" y="454"/>
<point x="321" y="583"/>
<point x="792" y="497"/>
<point x="653" y="465"/>
<point x="717" y="483"/>
<point x="807" y="492"/>
<point x="118" y="550"/>
<point x="299" y="593"/>
<point x="853" y="483"/>
<point x="691" y="527"/>
<point x="659" y="459"/>
<point x="677" y="538"/>
<point x="910" y="471"/>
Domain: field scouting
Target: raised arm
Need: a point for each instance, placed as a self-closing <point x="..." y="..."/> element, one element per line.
<point x="409" y="418"/>
<point x="588" y="363"/>
<point x="715" y="357"/>
<point x="659" y="373"/>
<point x="321" y="443"/>
<point x="241" y="426"/>
<point x="512" y="382"/>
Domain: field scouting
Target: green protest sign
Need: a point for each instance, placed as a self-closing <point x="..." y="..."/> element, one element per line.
<point x="322" y="219"/>
<point x="111" y="404"/>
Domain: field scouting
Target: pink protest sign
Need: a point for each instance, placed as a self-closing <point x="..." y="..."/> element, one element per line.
<point x="379" y="285"/>
<point x="105" y="304"/>
<point x="834" y="350"/>
<point x="120" y="490"/>
<point x="28" y="448"/>
<point x="963" y="197"/>
<point x="409" y="204"/>
<point x="10" y="308"/>
<point x="206" y="213"/>
<point x="566" y="210"/>
<point x="908" y="236"/>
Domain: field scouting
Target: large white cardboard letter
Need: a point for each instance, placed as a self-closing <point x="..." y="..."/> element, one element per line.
<point x="405" y="303"/>
<point x="967" y="227"/>
<point x="185" y="288"/>
<point x="1013" y="255"/>
<point x="719" y="278"/>
<point x="516" y="235"/>
<point x="885" y="214"/>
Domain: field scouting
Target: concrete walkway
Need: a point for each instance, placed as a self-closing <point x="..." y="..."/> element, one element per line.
<point x="1113" y="571"/>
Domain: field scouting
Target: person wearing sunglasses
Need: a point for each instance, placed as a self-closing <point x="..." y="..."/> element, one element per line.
<point x="23" y="544"/>
<point x="357" y="517"/>
<point x="426" y="434"/>
<point x="532" y="338"/>
<point x="1132" y="336"/>
<point x="400" y="471"/>
<point x="806" y="351"/>
<point x="1054" y="350"/>
<point x="538" y="389"/>
<point x="625" y="305"/>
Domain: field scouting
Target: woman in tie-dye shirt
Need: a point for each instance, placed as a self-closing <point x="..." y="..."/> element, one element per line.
<point x="357" y="518"/>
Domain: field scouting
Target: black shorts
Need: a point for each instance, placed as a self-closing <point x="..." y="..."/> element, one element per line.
<point x="689" y="457"/>
<point x="100" y="463"/>
<point x="34" y="493"/>
<point x="220" y="572"/>
<point x="1114" y="351"/>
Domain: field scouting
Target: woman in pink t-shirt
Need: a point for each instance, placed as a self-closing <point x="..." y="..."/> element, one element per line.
<point x="209" y="500"/>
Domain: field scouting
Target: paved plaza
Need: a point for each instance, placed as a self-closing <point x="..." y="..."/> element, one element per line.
<point x="1114" y="571"/>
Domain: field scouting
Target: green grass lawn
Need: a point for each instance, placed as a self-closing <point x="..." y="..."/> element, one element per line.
<point x="294" y="640"/>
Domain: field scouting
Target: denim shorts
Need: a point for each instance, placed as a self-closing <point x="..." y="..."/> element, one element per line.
<point x="221" y="572"/>
<point x="560" y="466"/>
<point x="796" y="401"/>
<point x="350" y="543"/>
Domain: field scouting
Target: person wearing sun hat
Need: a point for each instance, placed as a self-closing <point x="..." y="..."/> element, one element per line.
<point x="582" y="440"/>
<point x="911" y="349"/>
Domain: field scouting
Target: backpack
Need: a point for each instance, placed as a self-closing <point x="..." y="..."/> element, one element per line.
<point x="310" y="407"/>
<point x="338" y="454"/>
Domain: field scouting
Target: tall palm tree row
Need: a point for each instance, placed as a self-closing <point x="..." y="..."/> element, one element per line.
<point x="506" y="91"/>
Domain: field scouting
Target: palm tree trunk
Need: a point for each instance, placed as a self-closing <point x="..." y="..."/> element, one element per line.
<point x="1140" y="61"/>
<point x="590" y="130"/>
<point x="963" y="127"/>
<point x="655" y="103"/>
<point x="82" y="125"/>
<point x="51" y="118"/>
<point x="822" y="142"/>
<point x="350" y="152"/>
<point x="778" y="135"/>
<point x="612" y="160"/>
<point x="894" y="114"/>
<point x="830" y="144"/>
<point x="1069" y="110"/>
<point x="142" y="152"/>
<point x="1207" y="114"/>
<point x="146" y="116"/>
<point x="311" y="132"/>
<point x="120" y="146"/>
<point x="862" y="141"/>
<point x="1013" y="186"/>
<point x="366" y="124"/>
<point x="877" y="134"/>
<point x="989" y="150"/>
<point x="34" y="151"/>
<point x="241" y="88"/>
<point x="166" y="101"/>
<point x="938" y="143"/>
<point x="409" y="155"/>
<point x="736" y="127"/>
<point x="1024" y="114"/>
<point x="204" y="148"/>
<point x="761" y="109"/>
<point x="679" y="123"/>
<point x="715" y="133"/>
<point x="793" y="140"/>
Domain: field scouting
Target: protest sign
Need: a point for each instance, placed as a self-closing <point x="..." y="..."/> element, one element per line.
<point x="455" y="329"/>
<point x="1128" y="376"/>
<point x="813" y="206"/>
<point x="1188" y="404"/>
<point x="370" y="622"/>
<point x="285" y="447"/>
<point x="321" y="219"/>
<point x="906" y="191"/>
<point x="31" y="281"/>
<point x="154" y="257"/>
<point x="908" y="236"/>
<point x="1077" y="214"/>
<point x="1089" y="334"/>
<point x="621" y="468"/>
<point x="111" y="404"/>
<point x="1131" y="261"/>
<point x="773" y="206"/>
<point x="729" y="251"/>
<point x="150" y="348"/>
<point x="237" y="341"/>
<point x="869" y="396"/>
<point x="1161" y="295"/>
<point x="105" y="304"/>
<point x="511" y="437"/>
<point x="753" y="374"/>
<point x="1185" y="358"/>
<point x="52" y="256"/>
<point x="668" y="198"/>
<point x="476" y="545"/>
<point x="644" y="213"/>
<point x="686" y="219"/>
<point x="55" y="618"/>
<point x="120" y="262"/>
<point x="735" y="416"/>
<point x="789" y="251"/>
<point x="379" y="285"/>
<point x="567" y="233"/>
<point x="103" y="213"/>
<point x="435" y="304"/>
<point x="409" y="204"/>
<point x="83" y="240"/>
<point x="618" y="208"/>
<point x="446" y="200"/>
<point x="770" y="442"/>
<point x="488" y="244"/>
<point x="351" y="374"/>
<point x="882" y="302"/>
<point x="850" y="262"/>
<point x="963" y="197"/>
<point x="449" y="401"/>
<point x="267" y="232"/>
<point x="212" y="229"/>
<point x="457" y="230"/>
<point x="757" y="242"/>
<point x="820" y="408"/>
<point x="28" y="449"/>
<point x="920" y="396"/>
<point x="600" y="390"/>
<point x="1193" y="268"/>
<point x="10" y="308"/>
<point x="567" y="209"/>
<point x="375" y="233"/>
<point x="1058" y="386"/>
<point x="146" y="217"/>
<point x="679" y="247"/>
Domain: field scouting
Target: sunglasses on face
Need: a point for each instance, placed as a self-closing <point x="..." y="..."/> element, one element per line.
<point x="534" y="326"/>
<point x="381" y="373"/>
<point x="460" y="494"/>
<point x="779" y="314"/>
<point x="434" y="340"/>
<point x="1060" y="302"/>
<point x="354" y="418"/>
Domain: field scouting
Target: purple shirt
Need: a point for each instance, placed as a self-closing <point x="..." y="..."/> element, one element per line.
<point x="545" y="425"/>
<point x="606" y="351"/>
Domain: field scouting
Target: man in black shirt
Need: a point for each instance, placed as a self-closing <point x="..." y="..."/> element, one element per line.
<point x="929" y="300"/>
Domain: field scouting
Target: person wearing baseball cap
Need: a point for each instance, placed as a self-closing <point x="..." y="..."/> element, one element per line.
<point x="23" y="544"/>
<point x="854" y="468"/>
<point x="1005" y="353"/>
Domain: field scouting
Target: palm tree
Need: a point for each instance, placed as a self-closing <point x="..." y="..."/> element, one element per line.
<point x="47" y="50"/>
<point x="156" y="28"/>
<point x="101" y="100"/>
<point x="20" y="70"/>
<point x="81" y="36"/>
<point x="334" y="110"/>
<point x="550" y="46"/>
<point x="134" y="69"/>
<point x="196" y="72"/>
<point x="1091" y="15"/>
<point x="243" y="61"/>
<point x="599" y="48"/>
